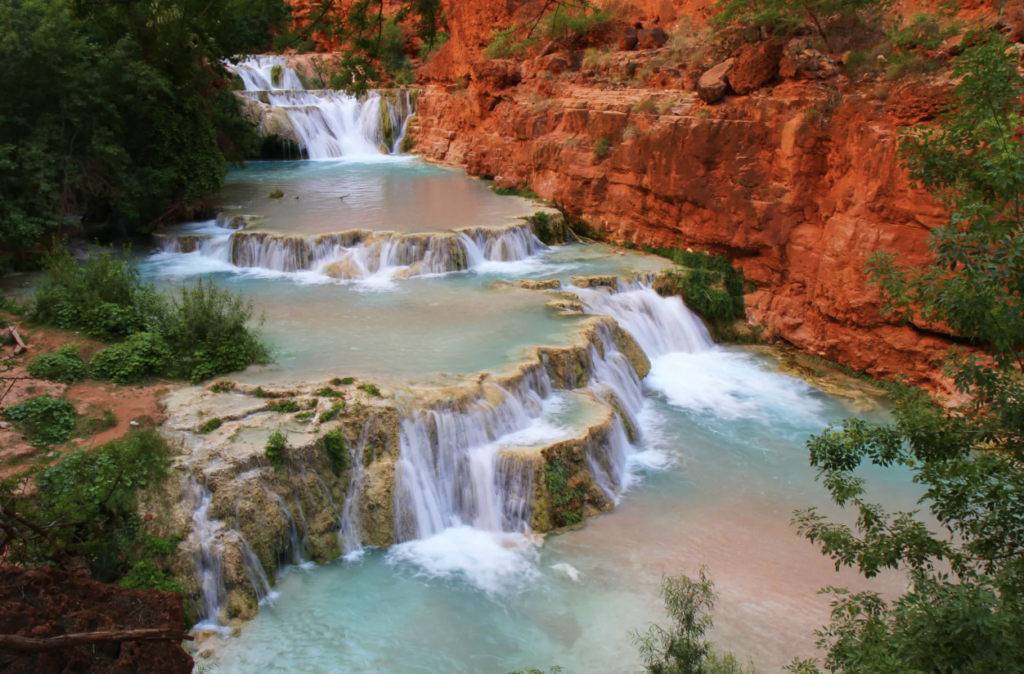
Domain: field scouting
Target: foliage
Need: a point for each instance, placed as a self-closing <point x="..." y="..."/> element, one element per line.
<point x="132" y="360"/>
<point x="89" y="426"/>
<point x="328" y="392"/>
<point x="505" y="43"/>
<point x="85" y="505"/>
<point x="783" y="17"/>
<point x="567" y="501"/>
<point x="923" y="32"/>
<point x="524" y="192"/>
<point x="145" y="575"/>
<point x="64" y="366"/>
<point x="283" y="406"/>
<point x="210" y="425"/>
<point x="275" y="194"/>
<point x="332" y="414"/>
<point x="103" y="296"/>
<point x="44" y="420"/>
<point x="573" y="24"/>
<point x="111" y="112"/>
<point x="370" y="389"/>
<point x="682" y="648"/>
<point x="155" y="546"/>
<point x="427" y="50"/>
<point x="602" y="148"/>
<point x="209" y="334"/>
<point x="711" y="286"/>
<point x="964" y="610"/>
<point x="337" y="451"/>
<point x="274" y="450"/>
<point x="542" y="226"/>
<point x="343" y="382"/>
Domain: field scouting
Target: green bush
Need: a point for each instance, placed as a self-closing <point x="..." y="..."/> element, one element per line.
<point x="602" y="148"/>
<point x="283" y="406"/>
<point x="427" y="50"/>
<point x="524" y="192"/>
<point x="370" y="390"/>
<point x="332" y="414"/>
<point x="104" y="296"/>
<point x="274" y="450"/>
<point x="141" y="355"/>
<point x="276" y="194"/>
<point x="505" y="44"/>
<point x="327" y="392"/>
<point x="923" y="32"/>
<point x="97" y="490"/>
<point x="65" y="366"/>
<point x="155" y="546"/>
<point x="211" y="425"/>
<point x="145" y="575"/>
<point x="209" y="334"/>
<point x="343" y="382"/>
<point x="572" y="25"/>
<point x="44" y="420"/>
<point x="337" y="451"/>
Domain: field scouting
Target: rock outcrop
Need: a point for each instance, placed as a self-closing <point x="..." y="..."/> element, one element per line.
<point x="714" y="84"/>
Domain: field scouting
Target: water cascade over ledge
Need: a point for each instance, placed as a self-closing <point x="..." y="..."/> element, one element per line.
<point x="326" y="124"/>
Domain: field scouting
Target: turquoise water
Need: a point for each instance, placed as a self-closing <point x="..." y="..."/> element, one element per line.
<point x="720" y="474"/>
<point x="392" y="194"/>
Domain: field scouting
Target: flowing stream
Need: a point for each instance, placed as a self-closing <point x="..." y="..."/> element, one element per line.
<point x="705" y="460"/>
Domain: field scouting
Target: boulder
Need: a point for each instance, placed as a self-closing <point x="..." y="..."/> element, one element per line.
<point x="756" y="64"/>
<point x="714" y="84"/>
<point x="628" y="40"/>
<point x="652" y="38"/>
<point x="802" y="62"/>
<point x="545" y="284"/>
<point x="595" y="281"/>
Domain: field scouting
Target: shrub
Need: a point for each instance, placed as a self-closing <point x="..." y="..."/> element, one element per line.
<point x="155" y="546"/>
<point x="209" y="334"/>
<point x="44" y="420"/>
<point x="283" y="406"/>
<point x="276" y="194"/>
<point x="504" y="44"/>
<point x="211" y="425"/>
<point x="327" y="392"/>
<point x="602" y="148"/>
<point x="88" y="426"/>
<point x="274" y="450"/>
<point x="332" y="414"/>
<point x="630" y="132"/>
<point x="97" y="489"/>
<point x="141" y="355"/>
<point x="337" y="451"/>
<point x="647" y="106"/>
<point x="145" y="575"/>
<point x="303" y="416"/>
<point x="343" y="382"/>
<point x="524" y="192"/>
<point x="427" y="49"/>
<point x="922" y="32"/>
<point x="574" y="26"/>
<point x="370" y="390"/>
<point x="65" y="366"/>
<point x="104" y="296"/>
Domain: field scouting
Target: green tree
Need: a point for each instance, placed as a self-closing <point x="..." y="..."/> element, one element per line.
<point x="118" y="112"/>
<point x="782" y="16"/>
<point x="964" y="611"/>
<point x="682" y="647"/>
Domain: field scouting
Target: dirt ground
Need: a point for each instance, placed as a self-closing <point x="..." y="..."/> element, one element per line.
<point x="139" y="404"/>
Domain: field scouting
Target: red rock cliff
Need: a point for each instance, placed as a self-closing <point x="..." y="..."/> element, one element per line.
<point x="798" y="181"/>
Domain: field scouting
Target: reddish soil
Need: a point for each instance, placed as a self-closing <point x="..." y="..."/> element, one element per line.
<point x="43" y="603"/>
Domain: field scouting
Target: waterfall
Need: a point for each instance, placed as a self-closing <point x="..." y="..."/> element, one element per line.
<point x="295" y="540"/>
<point x="328" y="124"/>
<point x="448" y="474"/>
<point x="207" y="539"/>
<point x="351" y="522"/>
<point x="660" y="325"/>
<point x="358" y="254"/>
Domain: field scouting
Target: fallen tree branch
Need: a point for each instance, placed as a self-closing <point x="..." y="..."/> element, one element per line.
<point x="12" y="642"/>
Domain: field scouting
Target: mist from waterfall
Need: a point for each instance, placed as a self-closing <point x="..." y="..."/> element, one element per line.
<point x="329" y="124"/>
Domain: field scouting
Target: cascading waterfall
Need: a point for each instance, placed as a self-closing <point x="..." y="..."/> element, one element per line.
<point x="359" y="254"/>
<point x="351" y="523"/>
<point x="295" y="539"/>
<point x="329" y="124"/>
<point x="207" y="538"/>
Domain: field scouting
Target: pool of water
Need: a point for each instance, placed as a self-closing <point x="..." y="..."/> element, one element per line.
<point x="715" y="482"/>
<point x="414" y="328"/>
<point x="392" y="193"/>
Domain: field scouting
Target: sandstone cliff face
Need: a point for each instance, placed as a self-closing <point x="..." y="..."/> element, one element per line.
<point x="798" y="182"/>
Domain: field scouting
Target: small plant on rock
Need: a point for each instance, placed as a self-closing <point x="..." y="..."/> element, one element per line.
<point x="332" y="414"/>
<point x="211" y="425"/>
<point x="602" y="148"/>
<point x="276" y="194"/>
<point x="274" y="450"/>
<point x="370" y="390"/>
<point x="337" y="451"/>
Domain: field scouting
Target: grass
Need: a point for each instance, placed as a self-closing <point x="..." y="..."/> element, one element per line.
<point x="211" y="425"/>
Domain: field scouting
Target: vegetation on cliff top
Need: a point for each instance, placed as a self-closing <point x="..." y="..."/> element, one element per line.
<point x="964" y="610"/>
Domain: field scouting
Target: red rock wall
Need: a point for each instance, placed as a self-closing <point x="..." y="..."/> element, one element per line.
<point x="798" y="204"/>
